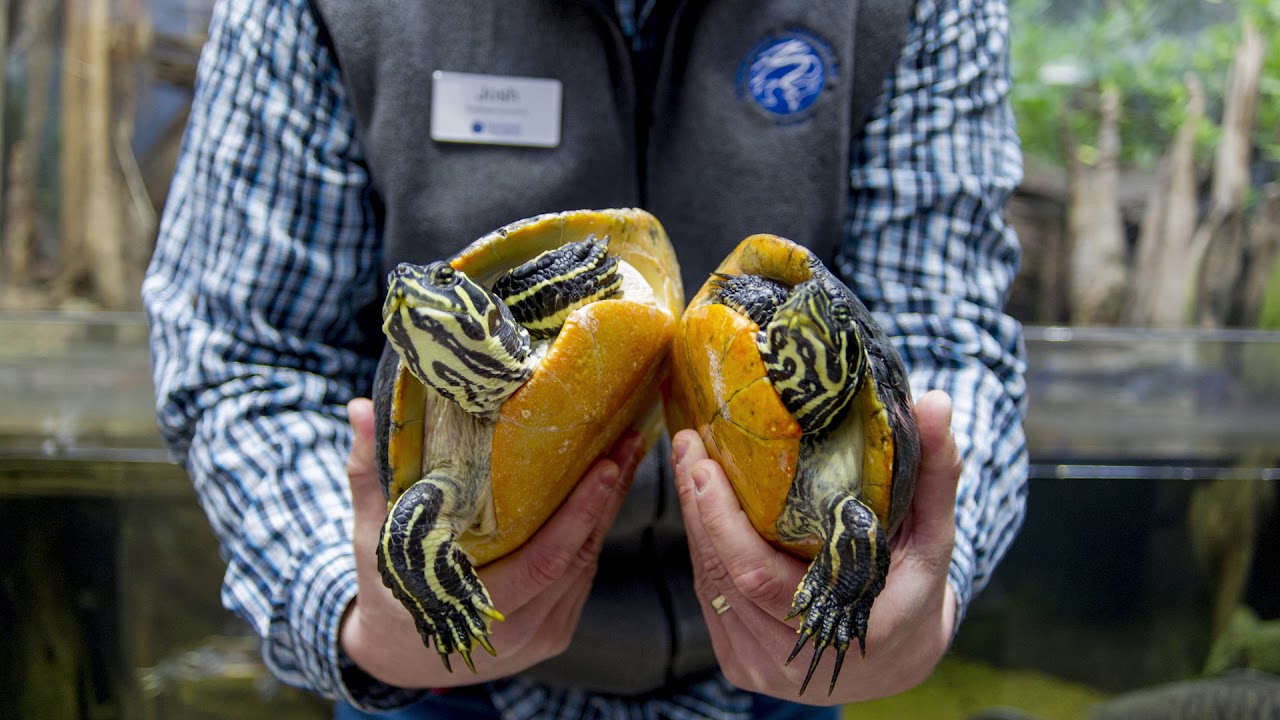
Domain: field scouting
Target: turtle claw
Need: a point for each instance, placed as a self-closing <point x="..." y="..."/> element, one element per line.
<point x="840" y="652"/>
<point x="466" y="656"/>
<point x="818" y="650"/>
<point x="836" y="605"/>
<point x="488" y="646"/>
<point x="433" y="578"/>
<point x="836" y="626"/>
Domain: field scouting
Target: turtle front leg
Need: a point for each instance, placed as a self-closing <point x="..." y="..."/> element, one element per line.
<point x="429" y="573"/>
<point x="835" y="595"/>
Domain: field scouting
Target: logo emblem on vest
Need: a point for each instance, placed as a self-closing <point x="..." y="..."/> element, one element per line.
<point x="785" y="73"/>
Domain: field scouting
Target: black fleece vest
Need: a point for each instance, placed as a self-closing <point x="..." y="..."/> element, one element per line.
<point x="718" y="164"/>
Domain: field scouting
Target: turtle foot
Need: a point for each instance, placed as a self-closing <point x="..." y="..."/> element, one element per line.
<point x="457" y="620"/>
<point x="433" y="578"/>
<point x="836" y="594"/>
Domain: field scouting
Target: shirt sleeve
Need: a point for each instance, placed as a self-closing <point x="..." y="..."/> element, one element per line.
<point x="930" y="252"/>
<point x="266" y="262"/>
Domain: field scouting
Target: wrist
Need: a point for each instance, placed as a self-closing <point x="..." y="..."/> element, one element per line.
<point x="371" y="655"/>
<point x="360" y="687"/>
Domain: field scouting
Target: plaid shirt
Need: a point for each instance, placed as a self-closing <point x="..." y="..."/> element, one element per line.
<point x="269" y="249"/>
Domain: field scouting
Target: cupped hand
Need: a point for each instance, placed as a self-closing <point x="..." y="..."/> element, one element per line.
<point x="540" y="588"/>
<point x="911" y="621"/>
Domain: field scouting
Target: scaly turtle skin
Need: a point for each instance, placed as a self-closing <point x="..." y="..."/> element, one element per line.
<point x="798" y="395"/>
<point x="508" y="370"/>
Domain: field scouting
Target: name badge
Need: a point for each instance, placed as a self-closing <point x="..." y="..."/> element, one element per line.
<point x="495" y="109"/>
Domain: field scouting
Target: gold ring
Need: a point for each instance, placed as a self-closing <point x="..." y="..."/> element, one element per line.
<point x="719" y="604"/>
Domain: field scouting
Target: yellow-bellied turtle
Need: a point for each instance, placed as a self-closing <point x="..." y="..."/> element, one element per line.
<point x="510" y="368"/>
<point x="798" y="395"/>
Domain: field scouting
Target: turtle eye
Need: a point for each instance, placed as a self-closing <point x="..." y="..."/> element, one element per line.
<point x="445" y="276"/>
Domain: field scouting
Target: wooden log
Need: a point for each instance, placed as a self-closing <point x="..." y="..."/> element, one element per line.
<point x="72" y="180"/>
<point x="104" y="243"/>
<point x="1099" y="275"/>
<point x="1038" y="292"/>
<point x="140" y="217"/>
<point x="1239" y="111"/>
<point x="1262" y="269"/>
<point x="95" y="225"/>
<point x="4" y="97"/>
<point x="1217" y="250"/>
<point x="1223" y="519"/>
<point x="21" y="282"/>
<point x="1160" y="295"/>
<point x="1037" y="211"/>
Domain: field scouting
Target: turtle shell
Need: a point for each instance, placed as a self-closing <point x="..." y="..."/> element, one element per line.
<point x="720" y="387"/>
<point x="599" y="377"/>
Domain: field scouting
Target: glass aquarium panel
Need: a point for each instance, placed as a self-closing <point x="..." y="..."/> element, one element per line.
<point x="1149" y="554"/>
<point x="1122" y="402"/>
<point x="111" y="603"/>
<point x="77" y="386"/>
<point x="1146" y="577"/>
<point x="109" y="573"/>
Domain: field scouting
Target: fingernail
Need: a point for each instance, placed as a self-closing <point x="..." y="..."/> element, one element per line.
<point x="609" y="477"/>
<point x="679" y="447"/>
<point x="700" y="478"/>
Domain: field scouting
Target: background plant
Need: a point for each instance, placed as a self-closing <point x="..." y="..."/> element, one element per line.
<point x="1065" y="54"/>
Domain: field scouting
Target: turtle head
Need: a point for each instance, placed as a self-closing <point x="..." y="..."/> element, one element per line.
<point x="814" y="353"/>
<point x="455" y="336"/>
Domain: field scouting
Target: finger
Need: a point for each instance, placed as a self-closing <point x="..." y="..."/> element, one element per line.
<point x="762" y="574"/>
<point x="711" y="576"/>
<point x="562" y="600"/>
<point x="360" y="416"/>
<point x="917" y="577"/>
<point x="627" y="454"/>
<point x="560" y="616"/>
<point x="933" y="507"/>
<point x="545" y="620"/>
<point x="366" y="492"/>
<point x="628" y="451"/>
<point x="763" y="580"/>
<point x="752" y="570"/>
<point x="732" y="639"/>
<point x="683" y="443"/>
<point x="558" y="547"/>
<point x="746" y="628"/>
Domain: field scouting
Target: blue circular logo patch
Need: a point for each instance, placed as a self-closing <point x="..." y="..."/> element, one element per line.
<point x="785" y="74"/>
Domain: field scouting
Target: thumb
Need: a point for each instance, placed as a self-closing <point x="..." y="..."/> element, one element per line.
<point x="362" y="471"/>
<point x="933" y="509"/>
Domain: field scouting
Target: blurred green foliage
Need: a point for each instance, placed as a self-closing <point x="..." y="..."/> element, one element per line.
<point x="1064" y="53"/>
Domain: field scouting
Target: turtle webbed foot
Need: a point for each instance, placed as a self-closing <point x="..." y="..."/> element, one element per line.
<point x="836" y="594"/>
<point x="432" y="577"/>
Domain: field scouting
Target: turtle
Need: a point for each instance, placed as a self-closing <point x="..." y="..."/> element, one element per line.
<point x="801" y="398"/>
<point x="508" y="369"/>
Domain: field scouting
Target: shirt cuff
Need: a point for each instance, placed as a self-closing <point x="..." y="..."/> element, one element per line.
<point x="324" y="586"/>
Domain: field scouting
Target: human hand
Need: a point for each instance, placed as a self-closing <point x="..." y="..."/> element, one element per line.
<point x="540" y="588"/>
<point x="911" y="621"/>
